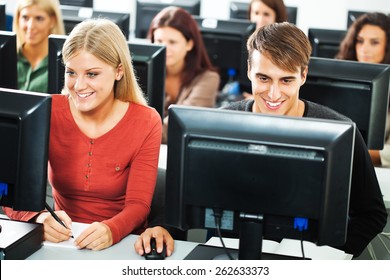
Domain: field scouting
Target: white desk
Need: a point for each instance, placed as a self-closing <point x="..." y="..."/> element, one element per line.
<point x="383" y="175"/>
<point x="123" y="250"/>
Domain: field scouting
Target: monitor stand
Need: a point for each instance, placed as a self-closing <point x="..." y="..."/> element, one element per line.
<point x="250" y="244"/>
<point x="18" y="240"/>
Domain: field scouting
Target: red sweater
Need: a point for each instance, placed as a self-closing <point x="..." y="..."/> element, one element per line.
<point x="109" y="179"/>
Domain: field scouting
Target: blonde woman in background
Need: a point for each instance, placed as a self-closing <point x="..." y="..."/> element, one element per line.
<point x="34" y="21"/>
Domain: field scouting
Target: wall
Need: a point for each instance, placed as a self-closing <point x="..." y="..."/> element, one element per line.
<point x="331" y="14"/>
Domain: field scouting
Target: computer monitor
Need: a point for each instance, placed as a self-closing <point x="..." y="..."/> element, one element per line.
<point x="56" y="67"/>
<point x="8" y="60"/>
<point x="3" y="17"/>
<point x="74" y="15"/>
<point x="149" y="67"/>
<point x="77" y="3"/>
<point x="148" y="62"/>
<point x="239" y="10"/>
<point x="24" y="141"/>
<point x="352" y="16"/>
<point x="325" y="42"/>
<point x="357" y="90"/>
<point x="225" y="41"/>
<point x="258" y="173"/>
<point x="147" y="9"/>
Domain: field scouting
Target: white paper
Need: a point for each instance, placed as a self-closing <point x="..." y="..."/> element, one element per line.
<point x="77" y="229"/>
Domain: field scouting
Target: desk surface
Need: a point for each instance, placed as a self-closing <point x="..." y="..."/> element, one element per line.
<point x="383" y="175"/>
<point x="123" y="250"/>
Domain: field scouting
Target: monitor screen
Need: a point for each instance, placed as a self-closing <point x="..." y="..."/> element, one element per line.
<point x="273" y="169"/>
<point x="8" y="60"/>
<point x="239" y="10"/>
<point x="325" y="42"/>
<point x="225" y="41"/>
<point x="357" y="90"/>
<point x="148" y="63"/>
<point x="147" y="9"/>
<point x="24" y="142"/>
<point x="3" y="18"/>
<point x="74" y="15"/>
<point x="77" y="3"/>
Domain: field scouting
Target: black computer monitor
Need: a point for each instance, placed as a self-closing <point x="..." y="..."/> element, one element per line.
<point x="56" y="67"/>
<point x="239" y="10"/>
<point x="74" y="15"/>
<point x="149" y="68"/>
<point x="24" y="142"/>
<point x="325" y="42"/>
<point x="352" y="16"/>
<point x="148" y="62"/>
<point x="261" y="173"/>
<point x="357" y="90"/>
<point x="225" y="41"/>
<point x="3" y="17"/>
<point x="77" y="3"/>
<point x="147" y="9"/>
<point x="8" y="60"/>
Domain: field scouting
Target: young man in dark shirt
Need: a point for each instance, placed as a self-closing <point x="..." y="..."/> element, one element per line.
<point x="278" y="58"/>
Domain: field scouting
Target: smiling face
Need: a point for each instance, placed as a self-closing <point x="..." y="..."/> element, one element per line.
<point x="371" y="44"/>
<point x="90" y="82"/>
<point x="275" y="91"/>
<point x="176" y="44"/>
<point x="35" y="25"/>
<point x="262" y="14"/>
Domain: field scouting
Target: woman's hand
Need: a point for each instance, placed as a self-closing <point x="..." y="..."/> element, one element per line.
<point x="97" y="236"/>
<point x="142" y="245"/>
<point x="53" y="230"/>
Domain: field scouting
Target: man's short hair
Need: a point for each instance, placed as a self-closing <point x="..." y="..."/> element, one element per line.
<point x="284" y="44"/>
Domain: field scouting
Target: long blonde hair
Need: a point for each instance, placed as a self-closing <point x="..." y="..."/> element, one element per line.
<point x="104" y="39"/>
<point x="51" y="7"/>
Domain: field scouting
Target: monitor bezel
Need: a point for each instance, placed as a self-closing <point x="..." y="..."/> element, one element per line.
<point x="192" y="6"/>
<point x="336" y="70"/>
<point x="238" y="30"/>
<point x="187" y="123"/>
<point x="30" y="113"/>
<point x="3" y="17"/>
<point x="330" y="38"/>
<point x="9" y="69"/>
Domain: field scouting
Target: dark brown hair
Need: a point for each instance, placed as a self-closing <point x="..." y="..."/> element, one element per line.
<point x="284" y="44"/>
<point x="197" y="60"/>
<point x="276" y="5"/>
<point x="347" y="47"/>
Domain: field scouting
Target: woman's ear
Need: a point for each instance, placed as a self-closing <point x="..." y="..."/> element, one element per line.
<point x="119" y="72"/>
<point x="190" y="45"/>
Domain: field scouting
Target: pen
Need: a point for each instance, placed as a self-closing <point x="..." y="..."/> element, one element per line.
<point x="55" y="216"/>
